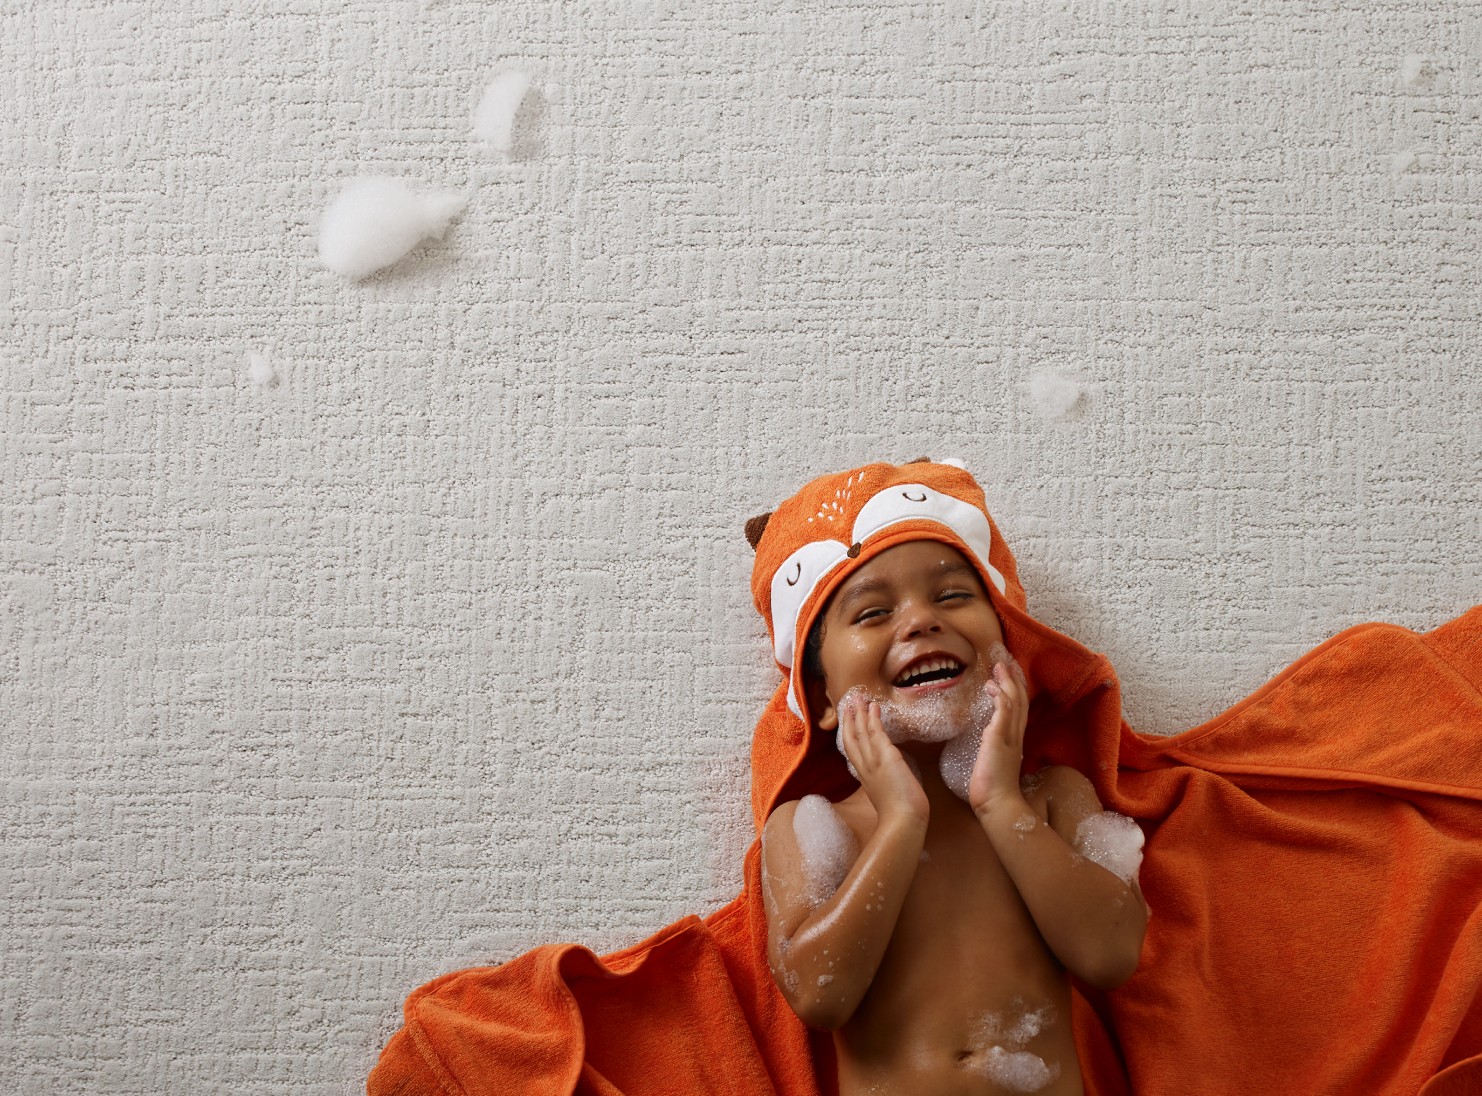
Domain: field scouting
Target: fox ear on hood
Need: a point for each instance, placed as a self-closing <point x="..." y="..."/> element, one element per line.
<point x="755" y="527"/>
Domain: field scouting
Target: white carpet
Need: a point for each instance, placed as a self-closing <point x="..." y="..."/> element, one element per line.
<point x="442" y="647"/>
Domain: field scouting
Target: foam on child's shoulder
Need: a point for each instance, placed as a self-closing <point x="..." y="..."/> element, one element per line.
<point x="826" y="844"/>
<point x="1112" y="840"/>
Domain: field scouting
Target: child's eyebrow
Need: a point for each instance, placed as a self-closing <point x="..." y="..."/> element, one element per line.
<point x="859" y="590"/>
<point x="956" y="567"/>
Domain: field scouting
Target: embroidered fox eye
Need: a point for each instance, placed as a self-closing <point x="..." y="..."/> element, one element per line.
<point x="797" y="574"/>
<point x="912" y="498"/>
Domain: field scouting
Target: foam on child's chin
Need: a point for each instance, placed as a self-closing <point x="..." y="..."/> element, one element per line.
<point x="935" y="717"/>
<point x="938" y="717"/>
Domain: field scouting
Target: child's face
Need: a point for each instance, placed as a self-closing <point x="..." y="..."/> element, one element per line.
<point x="921" y="598"/>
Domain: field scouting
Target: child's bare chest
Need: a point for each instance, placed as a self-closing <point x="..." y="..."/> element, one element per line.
<point x="965" y="958"/>
<point x="962" y="911"/>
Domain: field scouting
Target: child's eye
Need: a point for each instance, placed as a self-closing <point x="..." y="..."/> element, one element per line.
<point x="956" y="593"/>
<point x="867" y="614"/>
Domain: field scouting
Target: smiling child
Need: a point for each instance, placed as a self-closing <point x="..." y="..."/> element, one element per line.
<point x="930" y="918"/>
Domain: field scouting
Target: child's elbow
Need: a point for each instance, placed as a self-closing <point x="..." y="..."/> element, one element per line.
<point x="827" y="1006"/>
<point x="819" y="1000"/>
<point x="820" y="1009"/>
<point x="1107" y="967"/>
<point x="1111" y="968"/>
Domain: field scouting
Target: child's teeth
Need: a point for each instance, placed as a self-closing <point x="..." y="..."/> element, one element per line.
<point x="929" y="667"/>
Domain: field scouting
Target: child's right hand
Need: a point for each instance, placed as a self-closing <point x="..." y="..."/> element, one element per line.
<point x="887" y="779"/>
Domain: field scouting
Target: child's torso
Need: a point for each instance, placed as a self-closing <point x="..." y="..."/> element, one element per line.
<point x="968" y="999"/>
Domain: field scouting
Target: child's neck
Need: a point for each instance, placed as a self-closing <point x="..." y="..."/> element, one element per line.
<point x="928" y="759"/>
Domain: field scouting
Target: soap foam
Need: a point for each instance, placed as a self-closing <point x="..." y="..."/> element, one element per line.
<point x="375" y="220"/>
<point x="957" y="761"/>
<point x="260" y="370"/>
<point x="934" y="717"/>
<point x="1019" y="1069"/>
<point x="937" y="717"/>
<point x="1416" y="67"/>
<point x="1053" y="394"/>
<point x="1006" y="1063"/>
<point x="1112" y="840"/>
<point x="826" y="844"/>
<point x="494" y="117"/>
<point x="1026" y="1025"/>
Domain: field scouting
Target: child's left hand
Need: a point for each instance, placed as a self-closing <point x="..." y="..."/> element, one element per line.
<point x="995" y="777"/>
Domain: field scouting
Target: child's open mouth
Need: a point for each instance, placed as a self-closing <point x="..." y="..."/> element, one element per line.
<point x="938" y="673"/>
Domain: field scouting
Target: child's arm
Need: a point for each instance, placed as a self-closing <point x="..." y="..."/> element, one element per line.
<point x="825" y="955"/>
<point x="1091" y="919"/>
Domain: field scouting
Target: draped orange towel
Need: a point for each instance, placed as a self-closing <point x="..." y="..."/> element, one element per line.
<point x="1313" y="865"/>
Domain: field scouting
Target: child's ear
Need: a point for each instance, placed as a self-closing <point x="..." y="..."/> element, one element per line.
<point x="825" y="715"/>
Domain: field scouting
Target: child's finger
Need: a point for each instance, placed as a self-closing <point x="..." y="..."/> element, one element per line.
<point x="857" y="745"/>
<point x="870" y="739"/>
<point x="864" y="728"/>
<point x="1018" y="674"/>
<point x="849" y="719"/>
<point x="1011" y="687"/>
<point x="1009" y="718"/>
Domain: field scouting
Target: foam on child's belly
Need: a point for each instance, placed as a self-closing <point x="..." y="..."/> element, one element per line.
<point x="998" y="1048"/>
<point x="1018" y="1069"/>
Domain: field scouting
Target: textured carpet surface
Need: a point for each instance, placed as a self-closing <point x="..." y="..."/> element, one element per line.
<point x="440" y="647"/>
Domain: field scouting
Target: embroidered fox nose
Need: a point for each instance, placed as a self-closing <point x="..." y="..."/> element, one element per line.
<point x="854" y="550"/>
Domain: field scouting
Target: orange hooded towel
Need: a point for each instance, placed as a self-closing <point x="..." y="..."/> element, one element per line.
<point x="1313" y="864"/>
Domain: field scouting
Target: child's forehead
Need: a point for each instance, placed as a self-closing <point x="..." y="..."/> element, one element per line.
<point x="916" y="559"/>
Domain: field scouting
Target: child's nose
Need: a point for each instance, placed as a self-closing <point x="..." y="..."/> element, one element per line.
<point x="920" y="617"/>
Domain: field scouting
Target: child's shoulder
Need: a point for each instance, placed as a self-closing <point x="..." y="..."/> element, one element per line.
<point x="784" y="816"/>
<point x="1056" y="779"/>
<point x="1061" y="795"/>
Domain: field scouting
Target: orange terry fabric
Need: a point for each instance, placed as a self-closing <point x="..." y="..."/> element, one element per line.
<point x="1313" y="864"/>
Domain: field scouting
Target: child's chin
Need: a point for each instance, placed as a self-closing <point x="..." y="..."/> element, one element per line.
<point x="938" y="716"/>
<point x="929" y="733"/>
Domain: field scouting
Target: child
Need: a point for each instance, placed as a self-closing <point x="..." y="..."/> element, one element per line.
<point x="929" y="918"/>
